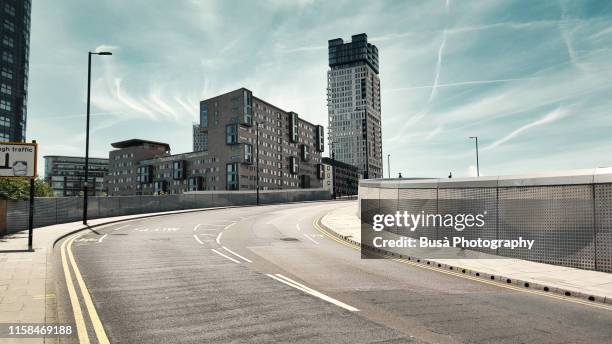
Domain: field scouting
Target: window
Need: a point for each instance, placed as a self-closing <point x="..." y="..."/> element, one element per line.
<point x="248" y="153"/>
<point x="232" y="176"/>
<point x="178" y="170"/>
<point x="7" y="73"/>
<point x="203" y="115"/>
<point x="293" y="127"/>
<point x="6" y="89"/>
<point x="320" y="171"/>
<point x="320" y="139"/>
<point x="9" y="9"/>
<point x="8" y="41"/>
<point x="6" y="56"/>
<point x="5" y="105"/>
<point x="145" y="174"/>
<point x="231" y="134"/>
<point x="305" y="153"/>
<point x="5" y="121"/>
<point x="195" y="184"/>
<point x="160" y="187"/>
<point x="9" y="25"/>
<point x="294" y="166"/>
<point x="248" y="108"/>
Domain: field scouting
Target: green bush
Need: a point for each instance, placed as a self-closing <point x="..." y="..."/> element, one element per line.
<point x="18" y="189"/>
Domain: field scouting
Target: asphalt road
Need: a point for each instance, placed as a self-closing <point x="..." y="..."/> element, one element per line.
<point x="266" y="275"/>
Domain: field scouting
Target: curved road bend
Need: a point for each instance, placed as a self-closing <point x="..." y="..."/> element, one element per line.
<point x="265" y="274"/>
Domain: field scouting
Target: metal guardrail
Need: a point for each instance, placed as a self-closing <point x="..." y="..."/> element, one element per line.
<point x="54" y="210"/>
<point x="569" y="214"/>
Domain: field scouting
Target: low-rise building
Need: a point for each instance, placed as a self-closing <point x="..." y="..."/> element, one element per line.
<point x="125" y="161"/>
<point x="346" y="178"/>
<point x="66" y="175"/>
<point x="237" y="129"/>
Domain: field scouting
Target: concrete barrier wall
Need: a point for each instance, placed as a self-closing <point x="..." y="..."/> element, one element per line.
<point x="54" y="210"/>
<point x="569" y="214"/>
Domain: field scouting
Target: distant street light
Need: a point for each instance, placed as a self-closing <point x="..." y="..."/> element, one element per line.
<point x="257" y="157"/>
<point x="477" y="165"/>
<point x="85" y="185"/>
<point x="333" y="156"/>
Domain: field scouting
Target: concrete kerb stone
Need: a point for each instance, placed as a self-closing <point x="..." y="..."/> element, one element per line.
<point x="478" y="274"/>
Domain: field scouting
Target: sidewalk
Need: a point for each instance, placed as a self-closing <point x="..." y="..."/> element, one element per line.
<point x="27" y="292"/>
<point x="585" y="284"/>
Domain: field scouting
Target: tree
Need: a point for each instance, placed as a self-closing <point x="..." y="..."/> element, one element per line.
<point x="18" y="189"/>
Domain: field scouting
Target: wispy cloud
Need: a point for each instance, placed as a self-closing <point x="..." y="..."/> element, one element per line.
<point x="105" y="47"/>
<point x="546" y="119"/>
<point x="460" y="69"/>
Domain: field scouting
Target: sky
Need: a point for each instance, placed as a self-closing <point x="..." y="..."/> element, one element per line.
<point x="531" y="79"/>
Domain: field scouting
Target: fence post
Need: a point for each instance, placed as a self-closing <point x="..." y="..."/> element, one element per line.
<point x="3" y="216"/>
<point x="595" y="229"/>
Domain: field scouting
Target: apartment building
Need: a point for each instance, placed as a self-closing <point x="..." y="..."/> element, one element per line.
<point x="66" y="175"/>
<point x="14" y="66"/>
<point x="353" y="102"/>
<point x="241" y="132"/>
<point x="124" y="163"/>
<point x="341" y="178"/>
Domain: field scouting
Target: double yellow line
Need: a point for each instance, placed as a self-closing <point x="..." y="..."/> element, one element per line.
<point x="318" y="227"/>
<point x="68" y="262"/>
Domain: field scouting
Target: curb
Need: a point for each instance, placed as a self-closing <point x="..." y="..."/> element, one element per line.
<point x="480" y="275"/>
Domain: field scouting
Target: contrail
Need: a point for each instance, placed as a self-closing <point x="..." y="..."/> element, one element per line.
<point x="548" y="118"/>
<point x="434" y="87"/>
<point x="463" y="83"/>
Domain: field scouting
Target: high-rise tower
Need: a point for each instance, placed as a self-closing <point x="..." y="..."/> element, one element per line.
<point x="14" y="48"/>
<point x="353" y="103"/>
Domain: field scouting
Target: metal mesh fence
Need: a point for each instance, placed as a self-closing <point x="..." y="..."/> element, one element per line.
<point x="570" y="223"/>
<point x="54" y="210"/>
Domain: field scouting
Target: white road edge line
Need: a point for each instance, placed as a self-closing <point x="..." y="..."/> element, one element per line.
<point x="312" y="292"/>
<point x="198" y="239"/>
<point x="196" y="227"/>
<point x="102" y="238"/>
<point x="237" y="255"/>
<point x="116" y="229"/>
<point x="311" y="239"/>
<point x="224" y="256"/>
<point x="297" y="225"/>
<point x="219" y="238"/>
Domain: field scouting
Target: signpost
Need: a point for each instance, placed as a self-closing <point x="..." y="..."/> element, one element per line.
<point x="18" y="160"/>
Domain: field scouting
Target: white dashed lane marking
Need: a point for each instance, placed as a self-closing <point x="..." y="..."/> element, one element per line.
<point x="198" y="239"/>
<point x="311" y="239"/>
<point x="299" y="286"/>
<point x="237" y="255"/>
<point x="225" y="256"/>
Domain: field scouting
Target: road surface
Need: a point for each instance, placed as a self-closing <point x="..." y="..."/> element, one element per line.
<point x="267" y="275"/>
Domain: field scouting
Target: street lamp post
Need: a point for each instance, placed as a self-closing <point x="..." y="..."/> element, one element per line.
<point x="477" y="165"/>
<point x="389" y="165"/>
<point x="257" y="157"/>
<point x="85" y="184"/>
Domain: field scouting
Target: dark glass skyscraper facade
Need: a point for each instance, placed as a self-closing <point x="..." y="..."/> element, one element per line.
<point x="14" y="61"/>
